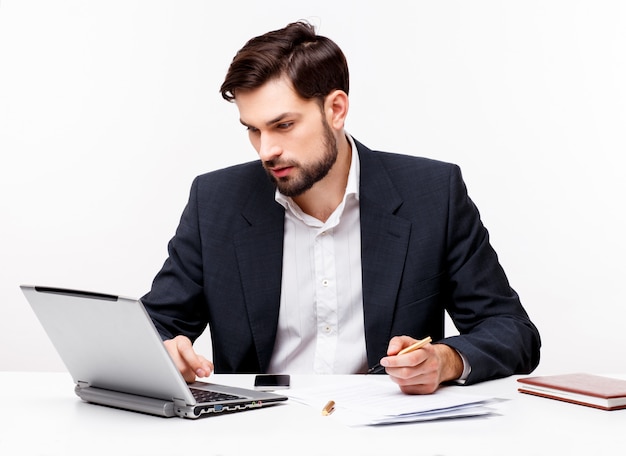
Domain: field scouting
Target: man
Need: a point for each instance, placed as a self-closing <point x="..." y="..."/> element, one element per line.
<point x="343" y="257"/>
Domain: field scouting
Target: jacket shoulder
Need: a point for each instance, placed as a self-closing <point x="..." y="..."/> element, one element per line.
<point x="403" y="171"/>
<point x="235" y="182"/>
<point x="241" y="170"/>
<point x="397" y="161"/>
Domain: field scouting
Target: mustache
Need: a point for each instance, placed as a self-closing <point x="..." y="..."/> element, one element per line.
<point x="278" y="163"/>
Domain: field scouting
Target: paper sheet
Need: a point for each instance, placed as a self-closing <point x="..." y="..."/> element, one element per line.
<point x="370" y="400"/>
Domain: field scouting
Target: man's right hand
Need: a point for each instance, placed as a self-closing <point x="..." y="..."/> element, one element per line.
<point x="188" y="362"/>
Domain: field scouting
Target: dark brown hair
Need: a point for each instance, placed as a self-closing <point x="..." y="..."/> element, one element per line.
<point x="314" y="64"/>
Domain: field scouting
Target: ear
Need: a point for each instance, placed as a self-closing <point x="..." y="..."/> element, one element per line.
<point x="336" y="108"/>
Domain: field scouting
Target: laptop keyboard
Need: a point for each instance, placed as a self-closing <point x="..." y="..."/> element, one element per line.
<point x="212" y="396"/>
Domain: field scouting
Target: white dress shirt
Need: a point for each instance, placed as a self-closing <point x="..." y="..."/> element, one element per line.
<point x="320" y="324"/>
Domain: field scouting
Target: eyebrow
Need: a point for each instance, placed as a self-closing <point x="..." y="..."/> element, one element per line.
<point x="276" y="119"/>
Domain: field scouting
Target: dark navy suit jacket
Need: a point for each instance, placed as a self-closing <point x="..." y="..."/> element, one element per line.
<point x="424" y="251"/>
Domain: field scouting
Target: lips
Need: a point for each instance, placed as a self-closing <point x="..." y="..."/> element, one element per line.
<point x="281" y="172"/>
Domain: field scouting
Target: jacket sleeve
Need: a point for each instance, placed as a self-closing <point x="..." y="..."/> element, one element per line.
<point x="496" y="335"/>
<point x="175" y="302"/>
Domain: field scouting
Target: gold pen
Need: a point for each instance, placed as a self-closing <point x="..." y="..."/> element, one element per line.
<point x="417" y="345"/>
<point x="328" y="408"/>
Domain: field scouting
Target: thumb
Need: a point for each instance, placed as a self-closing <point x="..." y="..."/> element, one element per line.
<point x="395" y="345"/>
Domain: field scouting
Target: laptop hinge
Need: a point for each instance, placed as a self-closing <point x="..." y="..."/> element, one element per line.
<point x="82" y="384"/>
<point x="179" y="402"/>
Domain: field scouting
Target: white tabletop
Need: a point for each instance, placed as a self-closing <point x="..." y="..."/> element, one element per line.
<point x="41" y="415"/>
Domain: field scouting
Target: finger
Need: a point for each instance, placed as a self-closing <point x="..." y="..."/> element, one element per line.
<point x="416" y="372"/>
<point x="197" y="364"/>
<point x="411" y="359"/>
<point x="426" y="388"/>
<point x="206" y="367"/>
<point x="411" y="382"/>
<point x="406" y="366"/>
<point x="172" y="348"/>
<point x="397" y="343"/>
<point x="190" y="364"/>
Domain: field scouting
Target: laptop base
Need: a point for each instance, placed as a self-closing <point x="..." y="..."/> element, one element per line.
<point x="125" y="401"/>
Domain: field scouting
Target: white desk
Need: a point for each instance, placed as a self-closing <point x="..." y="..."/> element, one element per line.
<point x="42" y="416"/>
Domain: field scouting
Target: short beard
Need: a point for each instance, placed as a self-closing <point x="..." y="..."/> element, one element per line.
<point x="312" y="174"/>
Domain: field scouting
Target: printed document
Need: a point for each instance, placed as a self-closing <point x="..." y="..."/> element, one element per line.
<point x="375" y="400"/>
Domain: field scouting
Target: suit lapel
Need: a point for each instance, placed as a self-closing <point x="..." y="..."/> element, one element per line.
<point x="384" y="243"/>
<point x="259" y="250"/>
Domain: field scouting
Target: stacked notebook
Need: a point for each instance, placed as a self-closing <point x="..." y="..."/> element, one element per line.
<point x="585" y="389"/>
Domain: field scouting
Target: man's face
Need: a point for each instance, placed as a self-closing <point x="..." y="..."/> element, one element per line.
<point x="291" y="135"/>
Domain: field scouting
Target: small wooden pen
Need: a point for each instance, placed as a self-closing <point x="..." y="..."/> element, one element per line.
<point x="328" y="408"/>
<point x="417" y="345"/>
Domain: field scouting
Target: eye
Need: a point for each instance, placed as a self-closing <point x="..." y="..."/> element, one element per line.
<point x="252" y="129"/>
<point x="284" y="125"/>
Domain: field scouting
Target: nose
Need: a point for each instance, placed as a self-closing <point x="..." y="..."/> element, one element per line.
<point x="268" y="148"/>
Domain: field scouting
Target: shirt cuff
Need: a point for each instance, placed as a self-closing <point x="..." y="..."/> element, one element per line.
<point x="466" y="369"/>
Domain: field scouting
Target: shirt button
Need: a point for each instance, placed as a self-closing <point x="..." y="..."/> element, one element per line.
<point x="325" y="282"/>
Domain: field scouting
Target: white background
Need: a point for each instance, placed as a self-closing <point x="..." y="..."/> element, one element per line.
<point x="108" y="109"/>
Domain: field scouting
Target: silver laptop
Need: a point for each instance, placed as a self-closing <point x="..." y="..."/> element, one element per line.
<point x="117" y="358"/>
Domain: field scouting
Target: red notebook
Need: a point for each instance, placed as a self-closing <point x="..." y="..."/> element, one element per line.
<point x="585" y="389"/>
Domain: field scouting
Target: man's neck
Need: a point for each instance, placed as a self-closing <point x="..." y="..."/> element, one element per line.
<point x="321" y="200"/>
